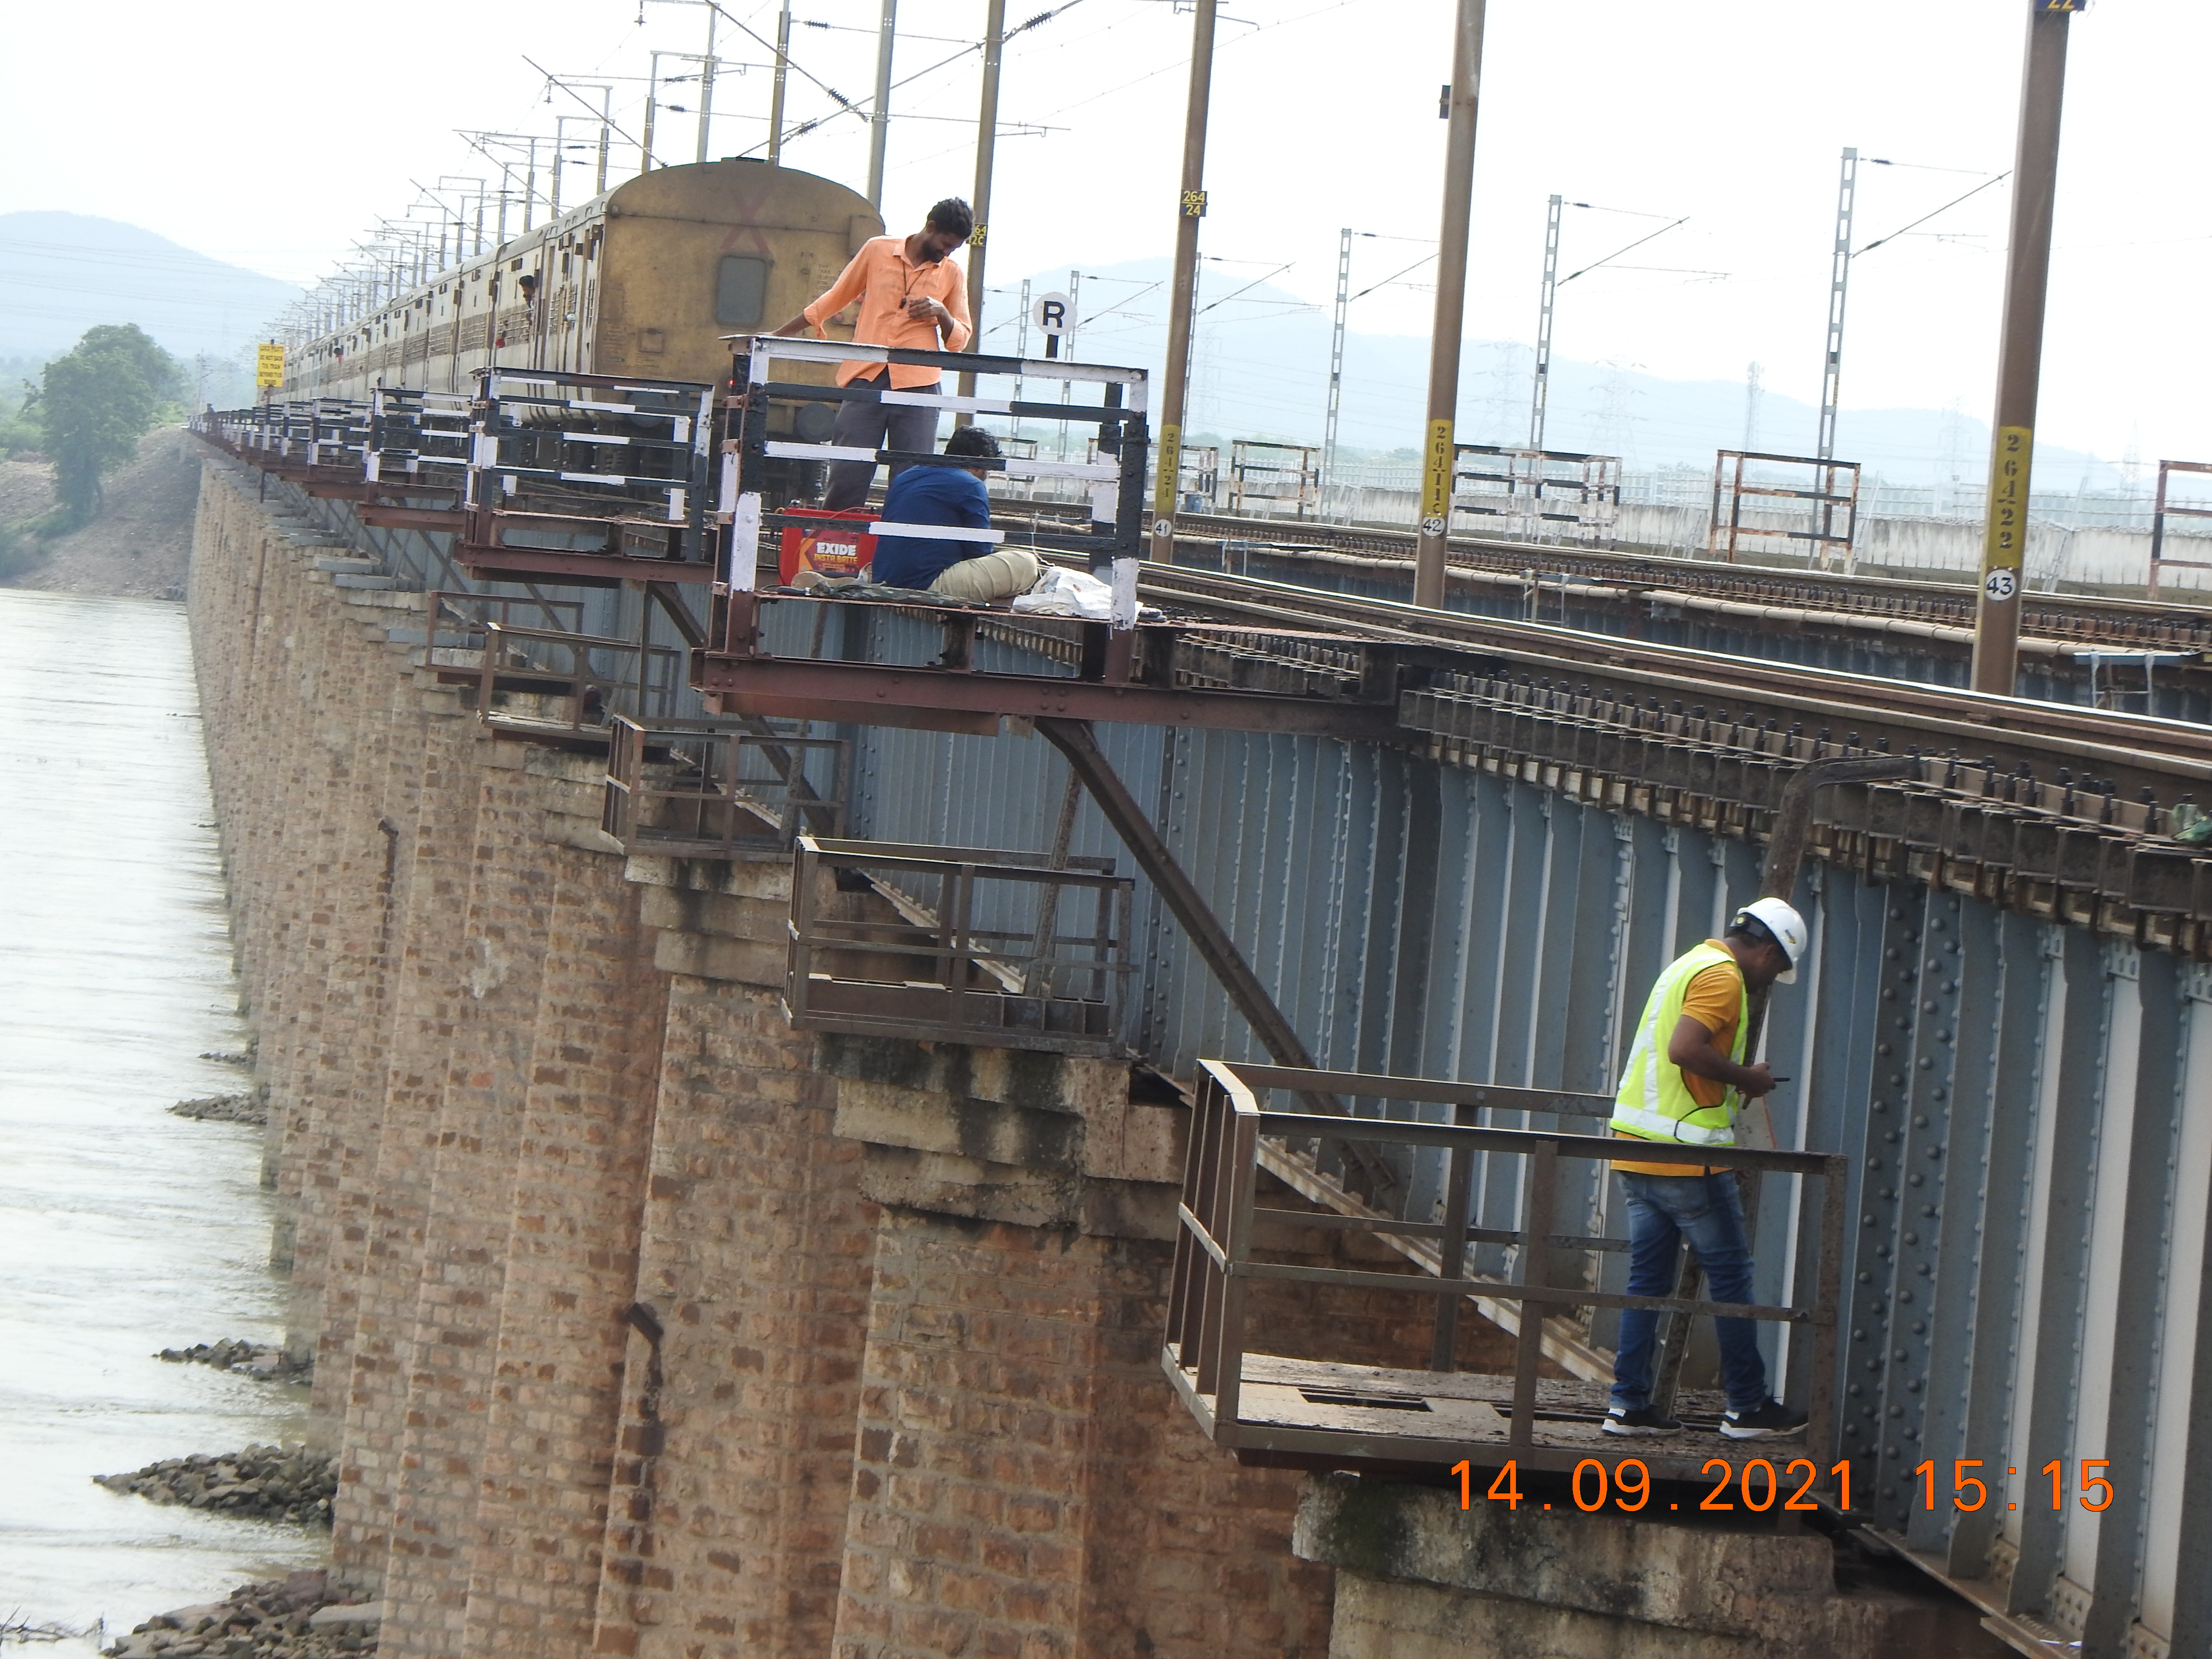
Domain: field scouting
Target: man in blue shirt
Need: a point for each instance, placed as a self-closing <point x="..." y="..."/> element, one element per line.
<point x="953" y="496"/>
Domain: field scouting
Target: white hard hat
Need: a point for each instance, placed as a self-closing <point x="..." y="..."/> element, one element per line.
<point x="1781" y="919"/>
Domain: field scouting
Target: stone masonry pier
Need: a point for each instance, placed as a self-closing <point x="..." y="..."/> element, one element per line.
<point x="645" y="1325"/>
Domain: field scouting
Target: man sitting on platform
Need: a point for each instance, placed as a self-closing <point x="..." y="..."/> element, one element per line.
<point x="953" y="496"/>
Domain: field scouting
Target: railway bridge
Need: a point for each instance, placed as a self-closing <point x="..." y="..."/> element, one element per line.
<point x="825" y="1121"/>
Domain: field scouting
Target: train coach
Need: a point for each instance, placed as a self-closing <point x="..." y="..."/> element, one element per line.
<point x="645" y="279"/>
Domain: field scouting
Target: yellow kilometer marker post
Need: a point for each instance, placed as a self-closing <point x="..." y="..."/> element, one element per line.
<point x="2020" y="358"/>
<point x="2004" y="544"/>
<point x="1437" y="479"/>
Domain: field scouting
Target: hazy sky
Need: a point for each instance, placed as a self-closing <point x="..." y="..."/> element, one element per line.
<point x="271" y="134"/>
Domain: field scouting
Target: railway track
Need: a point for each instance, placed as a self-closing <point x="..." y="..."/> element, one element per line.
<point x="2079" y="620"/>
<point x="2135" y="753"/>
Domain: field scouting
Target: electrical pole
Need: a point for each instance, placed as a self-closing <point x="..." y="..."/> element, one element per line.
<point x="1021" y="351"/>
<point x="880" y="118"/>
<point x="2020" y="361"/>
<point x="1067" y="347"/>
<point x="1336" y="359"/>
<point x="1461" y="97"/>
<point x="1190" y="208"/>
<point x="707" y="81"/>
<point x="775" y="92"/>
<point x="606" y="133"/>
<point x="987" y="142"/>
<point x="1548" y="295"/>
<point x="1839" y="278"/>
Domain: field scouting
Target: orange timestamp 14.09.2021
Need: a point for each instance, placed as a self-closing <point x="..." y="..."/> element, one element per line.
<point x="1758" y="1484"/>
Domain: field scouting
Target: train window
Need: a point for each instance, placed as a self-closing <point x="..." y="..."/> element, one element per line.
<point x="740" y="290"/>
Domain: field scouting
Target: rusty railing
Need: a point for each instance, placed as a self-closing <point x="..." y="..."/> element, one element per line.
<point x="953" y="944"/>
<point x="1332" y="1413"/>
<point x="683" y="788"/>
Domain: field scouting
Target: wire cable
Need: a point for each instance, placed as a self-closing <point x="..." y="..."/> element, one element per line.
<point x="1946" y="208"/>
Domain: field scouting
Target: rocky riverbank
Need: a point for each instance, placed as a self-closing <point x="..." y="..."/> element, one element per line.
<point x="250" y="1359"/>
<point x="226" y="1108"/>
<point x="291" y="1618"/>
<point x="268" y="1483"/>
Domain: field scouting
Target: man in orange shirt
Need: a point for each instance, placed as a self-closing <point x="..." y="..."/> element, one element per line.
<point x="912" y="297"/>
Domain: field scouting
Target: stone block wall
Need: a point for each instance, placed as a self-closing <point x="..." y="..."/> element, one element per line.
<point x="1420" y="1578"/>
<point x="645" y="1324"/>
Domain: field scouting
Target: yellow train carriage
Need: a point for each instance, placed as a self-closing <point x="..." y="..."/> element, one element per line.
<point x="645" y="280"/>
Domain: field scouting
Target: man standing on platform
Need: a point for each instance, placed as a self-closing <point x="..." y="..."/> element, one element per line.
<point x="914" y="298"/>
<point x="1684" y="1077"/>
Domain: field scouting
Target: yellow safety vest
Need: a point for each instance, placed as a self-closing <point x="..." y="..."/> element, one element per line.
<point x="1654" y="1102"/>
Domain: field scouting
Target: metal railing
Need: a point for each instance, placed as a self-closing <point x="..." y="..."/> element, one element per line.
<point x="2164" y="507"/>
<point x="680" y="788"/>
<point x="1829" y="500"/>
<point x="1266" y="476"/>
<point x="1539" y="492"/>
<point x="596" y="676"/>
<point x="954" y="945"/>
<point x="1418" y="1417"/>
<point x="561" y="459"/>
<point x="758" y="456"/>
<point x="417" y="436"/>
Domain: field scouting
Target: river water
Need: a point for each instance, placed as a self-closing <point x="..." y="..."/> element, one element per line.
<point x="123" y="1229"/>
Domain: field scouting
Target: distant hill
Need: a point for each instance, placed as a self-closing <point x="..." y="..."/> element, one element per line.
<point x="1260" y="370"/>
<point x="62" y="273"/>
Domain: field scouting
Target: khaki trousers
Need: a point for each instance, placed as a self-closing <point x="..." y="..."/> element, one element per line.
<point x="999" y="576"/>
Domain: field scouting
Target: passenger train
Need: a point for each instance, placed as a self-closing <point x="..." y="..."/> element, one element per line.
<point x="645" y="279"/>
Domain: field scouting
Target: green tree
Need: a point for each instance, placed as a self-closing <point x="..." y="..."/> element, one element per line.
<point x="95" y="403"/>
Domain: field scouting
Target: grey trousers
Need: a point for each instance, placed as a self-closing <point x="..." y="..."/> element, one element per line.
<point x="876" y="426"/>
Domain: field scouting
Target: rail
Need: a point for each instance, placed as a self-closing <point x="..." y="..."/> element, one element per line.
<point x="1896" y="711"/>
<point x="718" y="789"/>
<point x="1383" y="554"/>
<point x="1330" y="1412"/>
<point x="951" y="945"/>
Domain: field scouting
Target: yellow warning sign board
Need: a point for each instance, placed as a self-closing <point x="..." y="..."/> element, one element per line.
<point x="268" y="365"/>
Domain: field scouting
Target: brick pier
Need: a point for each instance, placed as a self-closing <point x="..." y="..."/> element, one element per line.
<point x="645" y="1325"/>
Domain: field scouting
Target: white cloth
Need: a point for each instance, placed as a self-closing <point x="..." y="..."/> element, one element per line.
<point x="1063" y="593"/>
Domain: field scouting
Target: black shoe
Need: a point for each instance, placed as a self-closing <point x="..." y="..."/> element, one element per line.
<point x="1768" y="1421"/>
<point x="1642" y="1420"/>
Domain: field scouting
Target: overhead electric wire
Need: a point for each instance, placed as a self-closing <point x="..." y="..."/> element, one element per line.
<point x="859" y="106"/>
<point x="1392" y="277"/>
<point x="1247" y="289"/>
<point x="1617" y="252"/>
<point x="1946" y="208"/>
<point x="553" y="79"/>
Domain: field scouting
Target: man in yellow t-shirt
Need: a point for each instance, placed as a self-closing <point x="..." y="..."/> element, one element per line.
<point x="1684" y="1074"/>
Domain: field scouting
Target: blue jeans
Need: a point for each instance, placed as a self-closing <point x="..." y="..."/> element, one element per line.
<point x="1705" y="1210"/>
